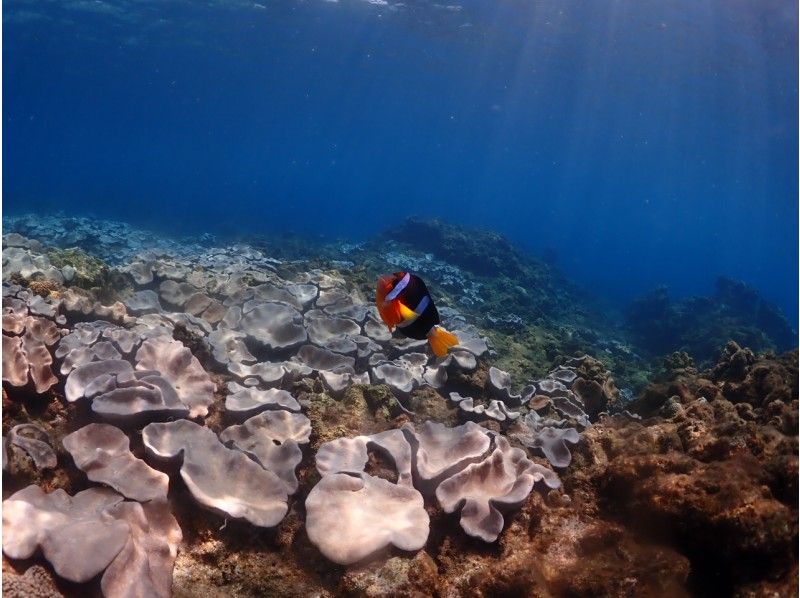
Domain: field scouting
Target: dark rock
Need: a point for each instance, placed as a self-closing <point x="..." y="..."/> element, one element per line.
<point x="702" y="325"/>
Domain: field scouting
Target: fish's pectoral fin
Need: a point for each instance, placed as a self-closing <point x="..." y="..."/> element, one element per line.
<point x="406" y="313"/>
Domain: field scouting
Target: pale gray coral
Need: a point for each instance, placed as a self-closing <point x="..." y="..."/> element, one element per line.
<point x="275" y="326"/>
<point x="100" y="351"/>
<point x="193" y="324"/>
<point x="322" y="359"/>
<point x="553" y="444"/>
<point x="141" y="272"/>
<point x="153" y="326"/>
<point x="123" y="339"/>
<point x="181" y="369"/>
<point x="564" y="375"/>
<point x="475" y="345"/>
<point x="74" y="535"/>
<point x="95" y="377"/>
<point x="400" y="344"/>
<point x="344" y="344"/>
<point x="15" y="312"/>
<point x="245" y="402"/>
<point x="214" y="313"/>
<point x="377" y="330"/>
<point x="457" y="397"/>
<point x="350" y="455"/>
<point x="27" y="357"/>
<point x="143" y="568"/>
<point x="323" y="280"/>
<point x="39" y="306"/>
<point x="568" y="406"/>
<point x="233" y="315"/>
<point x="551" y="387"/>
<point x="342" y="455"/>
<point x="469" y="406"/>
<point x="398" y="378"/>
<point x="270" y="374"/>
<point x="197" y="303"/>
<point x="351" y="517"/>
<point x="413" y="369"/>
<point x="496" y="410"/>
<point x="331" y="296"/>
<point x="501" y="481"/>
<point x="143" y="302"/>
<point x="28" y="263"/>
<point x="395" y="445"/>
<point x="440" y="451"/>
<point x="83" y="334"/>
<point x="15" y="363"/>
<point x="221" y="479"/>
<point x="281" y="458"/>
<point x="95" y="370"/>
<point x="151" y="397"/>
<point x="176" y="293"/>
<point x="355" y="311"/>
<point x="271" y="292"/>
<point x="499" y="411"/>
<point x="36" y="443"/>
<point x="39" y="335"/>
<point x="78" y="305"/>
<point x="304" y="293"/>
<point x="435" y="376"/>
<point x="338" y="301"/>
<point x="228" y="346"/>
<point x="460" y="360"/>
<point x="103" y="453"/>
<point x="500" y="386"/>
<point x="413" y="362"/>
<point x="337" y="382"/>
<point x="554" y="390"/>
<point x="279" y="426"/>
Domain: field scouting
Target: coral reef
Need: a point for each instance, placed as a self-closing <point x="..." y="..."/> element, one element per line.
<point x="262" y="433"/>
<point x="103" y="453"/>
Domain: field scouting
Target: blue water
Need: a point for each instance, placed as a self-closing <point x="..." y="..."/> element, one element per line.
<point x="642" y="141"/>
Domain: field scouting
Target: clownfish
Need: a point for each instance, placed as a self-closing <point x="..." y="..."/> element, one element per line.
<point x="404" y="303"/>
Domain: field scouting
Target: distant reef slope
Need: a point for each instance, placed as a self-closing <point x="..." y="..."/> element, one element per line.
<point x="701" y="325"/>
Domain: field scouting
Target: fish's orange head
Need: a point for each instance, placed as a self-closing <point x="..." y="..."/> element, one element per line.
<point x="385" y="284"/>
<point x="388" y="310"/>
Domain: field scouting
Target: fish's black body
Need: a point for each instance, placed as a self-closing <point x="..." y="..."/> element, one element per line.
<point x="411" y="296"/>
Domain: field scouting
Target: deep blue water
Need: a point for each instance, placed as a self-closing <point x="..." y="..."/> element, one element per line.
<point x="644" y="141"/>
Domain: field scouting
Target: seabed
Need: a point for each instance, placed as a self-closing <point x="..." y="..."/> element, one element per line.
<point x="204" y="417"/>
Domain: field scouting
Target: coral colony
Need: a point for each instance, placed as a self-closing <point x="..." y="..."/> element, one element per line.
<point x="186" y="417"/>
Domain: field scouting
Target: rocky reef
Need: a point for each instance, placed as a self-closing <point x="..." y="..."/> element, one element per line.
<point x="189" y="417"/>
<point x="701" y="326"/>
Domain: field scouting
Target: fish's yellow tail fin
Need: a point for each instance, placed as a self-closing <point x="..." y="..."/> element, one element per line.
<point x="441" y="340"/>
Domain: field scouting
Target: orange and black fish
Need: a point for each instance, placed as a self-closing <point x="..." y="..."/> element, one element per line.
<point x="404" y="303"/>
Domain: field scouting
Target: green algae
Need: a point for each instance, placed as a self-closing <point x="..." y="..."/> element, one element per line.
<point x="91" y="273"/>
<point x="89" y="270"/>
<point x="361" y="410"/>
